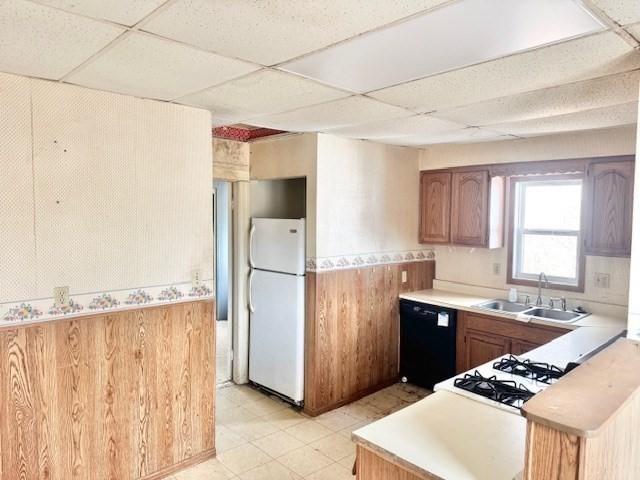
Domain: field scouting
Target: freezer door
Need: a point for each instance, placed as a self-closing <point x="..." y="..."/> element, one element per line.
<point x="277" y="244"/>
<point x="276" y="341"/>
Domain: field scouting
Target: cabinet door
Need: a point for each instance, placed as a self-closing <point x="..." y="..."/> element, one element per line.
<point x="609" y="203"/>
<point x="435" y="203"/>
<point x="470" y="208"/>
<point x="520" y="347"/>
<point x="482" y="348"/>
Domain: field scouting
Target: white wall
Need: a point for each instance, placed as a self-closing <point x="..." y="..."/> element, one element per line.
<point x="593" y="143"/>
<point x="100" y="192"/>
<point x="289" y="157"/>
<point x="368" y="198"/>
<point x="362" y="197"/>
<point x="467" y="266"/>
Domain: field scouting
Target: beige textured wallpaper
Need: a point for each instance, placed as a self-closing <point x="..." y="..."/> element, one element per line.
<point x="100" y="192"/>
<point x="593" y="143"/>
<point x="368" y="197"/>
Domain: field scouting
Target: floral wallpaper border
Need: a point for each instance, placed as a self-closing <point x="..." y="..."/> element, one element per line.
<point x="29" y="311"/>
<point x="342" y="262"/>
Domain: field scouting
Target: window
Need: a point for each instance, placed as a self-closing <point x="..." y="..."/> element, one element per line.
<point x="546" y="231"/>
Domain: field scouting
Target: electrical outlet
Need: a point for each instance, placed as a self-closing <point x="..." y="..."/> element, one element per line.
<point x="404" y="276"/>
<point x="497" y="267"/>
<point x="196" y="278"/>
<point x="61" y="296"/>
<point x="603" y="280"/>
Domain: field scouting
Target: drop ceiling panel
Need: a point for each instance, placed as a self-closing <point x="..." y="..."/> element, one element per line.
<point x="466" y="135"/>
<point x="462" y="33"/>
<point x="261" y="93"/>
<point x="581" y="59"/>
<point x="336" y="114"/>
<point x="272" y="31"/>
<point x="605" y="117"/>
<point x="568" y="98"/>
<point x="415" y="125"/>
<point x="126" y="12"/>
<point x="150" y="67"/>
<point x="44" y="42"/>
<point x="621" y="11"/>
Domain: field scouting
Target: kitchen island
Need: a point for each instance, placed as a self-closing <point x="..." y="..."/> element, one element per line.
<point x="450" y="436"/>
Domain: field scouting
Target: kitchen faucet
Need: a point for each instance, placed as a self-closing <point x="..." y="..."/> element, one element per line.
<point x="546" y="285"/>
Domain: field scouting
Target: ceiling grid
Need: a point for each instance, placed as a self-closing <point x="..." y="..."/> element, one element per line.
<point x="393" y="72"/>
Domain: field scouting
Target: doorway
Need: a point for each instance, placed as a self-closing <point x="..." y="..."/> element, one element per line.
<point x="223" y="268"/>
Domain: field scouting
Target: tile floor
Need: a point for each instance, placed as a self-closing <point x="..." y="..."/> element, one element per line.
<point x="261" y="438"/>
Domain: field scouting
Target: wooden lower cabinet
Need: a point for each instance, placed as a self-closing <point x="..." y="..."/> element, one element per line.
<point x="353" y="331"/>
<point x="520" y="347"/>
<point x="481" y="338"/>
<point x="482" y="348"/>
<point x="372" y="466"/>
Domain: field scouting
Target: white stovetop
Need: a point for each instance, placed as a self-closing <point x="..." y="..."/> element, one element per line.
<point x="487" y="371"/>
<point x="452" y="436"/>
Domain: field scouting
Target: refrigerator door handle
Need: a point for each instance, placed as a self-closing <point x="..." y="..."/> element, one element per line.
<point x="251" y="233"/>
<point x="251" y="309"/>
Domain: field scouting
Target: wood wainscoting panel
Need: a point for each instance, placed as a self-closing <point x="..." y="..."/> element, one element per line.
<point x="370" y="466"/>
<point x="352" y="330"/>
<point x="118" y="396"/>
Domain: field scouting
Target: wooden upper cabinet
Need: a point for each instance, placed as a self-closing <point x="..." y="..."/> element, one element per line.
<point x="609" y="204"/>
<point x="435" y="207"/>
<point x="477" y="209"/>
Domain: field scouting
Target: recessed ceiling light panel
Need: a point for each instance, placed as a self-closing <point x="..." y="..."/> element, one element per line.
<point x="459" y="34"/>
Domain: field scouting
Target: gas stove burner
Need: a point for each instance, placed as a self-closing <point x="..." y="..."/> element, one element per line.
<point x="542" y="372"/>
<point x="506" y="392"/>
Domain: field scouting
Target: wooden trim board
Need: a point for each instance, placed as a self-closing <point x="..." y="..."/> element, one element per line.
<point x="353" y="330"/>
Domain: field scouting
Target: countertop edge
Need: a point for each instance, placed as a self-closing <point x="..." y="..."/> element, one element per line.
<point x="584" y="322"/>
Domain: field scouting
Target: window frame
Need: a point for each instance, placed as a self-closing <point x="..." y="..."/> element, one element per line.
<point x="555" y="283"/>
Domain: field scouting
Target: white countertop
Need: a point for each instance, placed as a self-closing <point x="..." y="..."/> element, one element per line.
<point x="453" y="437"/>
<point x="460" y="301"/>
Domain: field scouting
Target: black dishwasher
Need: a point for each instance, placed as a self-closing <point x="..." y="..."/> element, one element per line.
<point x="427" y="343"/>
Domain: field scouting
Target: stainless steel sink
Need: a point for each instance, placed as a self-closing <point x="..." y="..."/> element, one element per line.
<point x="504" y="306"/>
<point x="544" y="313"/>
<point x="557" y="315"/>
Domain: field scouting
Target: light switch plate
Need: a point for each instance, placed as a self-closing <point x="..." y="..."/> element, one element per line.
<point x="196" y="278"/>
<point x="404" y="276"/>
<point x="497" y="267"/>
<point x="61" y="296"/>
<point x="602" y="280"/>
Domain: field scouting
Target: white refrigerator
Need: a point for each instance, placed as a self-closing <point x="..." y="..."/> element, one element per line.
<point x="276" y="304"/>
